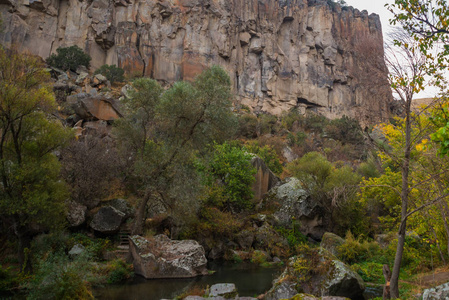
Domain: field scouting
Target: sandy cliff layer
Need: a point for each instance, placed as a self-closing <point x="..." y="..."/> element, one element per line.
<point x="280" y="54"/>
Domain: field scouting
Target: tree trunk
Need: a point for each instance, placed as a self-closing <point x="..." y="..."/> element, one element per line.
<point x="24" y="246"/>
<point x="387" y="276"/>
<point x="444" y="213"/>
<point x="141" y="215"/>
<point x="394" y="284"/>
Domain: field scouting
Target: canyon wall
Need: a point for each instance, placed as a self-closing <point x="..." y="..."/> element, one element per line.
<point x="280" y="54"/>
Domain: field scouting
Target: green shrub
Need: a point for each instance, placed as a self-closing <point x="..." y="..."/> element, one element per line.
<point x="293" y="235"/>
<point x="354" y="250"/>
<point x="96" y="247"/>
<point x="248" y="124"/>
<point x="8" y="280"/>
<point x="69" y="58"/>
<point x="119" y="271"/>
<point x="112" y="73"/>
<point x="345" y="130"/>
<point x="229" y="174"/>
<point x="267" y="154"/>
<point x="59" y="277"/>
<point x="259" y="257"/>
<point x="370" y="271"/>
<point x="315" y="122"/>
<point x="296" y="139"/>
<point x="214" y="222"/>
<point x="368" y="169"/>
<point x="291" y="117"/>
<point x="267" y="123"/>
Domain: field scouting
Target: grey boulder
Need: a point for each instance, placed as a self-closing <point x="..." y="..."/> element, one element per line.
<point x="160" y="257"/>
<point x="107" y="220"/>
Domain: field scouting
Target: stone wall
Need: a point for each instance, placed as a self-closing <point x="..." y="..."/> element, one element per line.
<point x="280" y="54"/>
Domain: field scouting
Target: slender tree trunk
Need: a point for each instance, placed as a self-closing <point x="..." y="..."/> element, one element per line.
<point x="141" y="215"/>
<point x="444" y="213"/>
<point x="387" y="276"/>
<point x="394" y="284"/>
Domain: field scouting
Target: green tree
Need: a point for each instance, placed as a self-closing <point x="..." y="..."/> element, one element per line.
<point x="427" y="209"/>
<point x="164" y="130"/>
<point x="334" y="187"/>
<point x="31" y="192"/>
<point x="230" y="174"/>
<point x="69" y="58"/>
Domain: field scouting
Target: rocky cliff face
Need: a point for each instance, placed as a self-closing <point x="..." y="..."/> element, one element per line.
<point x="280" y="54"/>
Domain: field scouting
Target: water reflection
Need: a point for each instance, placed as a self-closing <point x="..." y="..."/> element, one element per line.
<point x="249" y="279"/>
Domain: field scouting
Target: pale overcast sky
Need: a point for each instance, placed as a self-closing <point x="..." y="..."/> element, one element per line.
<point x="378" y="7"/>
<point x="374" y="6"/>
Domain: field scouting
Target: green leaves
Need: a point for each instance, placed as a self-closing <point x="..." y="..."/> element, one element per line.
<point x="69" y="58"/>
<point x="31" y="191"/>
<point x="230" y="174"/>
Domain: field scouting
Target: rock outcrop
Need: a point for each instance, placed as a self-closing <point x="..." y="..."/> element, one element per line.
<point x="265" y="178"/>
<point x="326" y="276"/>
<point x="280" y="54"/>
<point x="76" y="213"/>
<point x="161" y="257"/>
<point x="437" y="293"/>
<point x="107" y="220"/>
<point x="296" y="206"/>
<point x="331" y="242"/>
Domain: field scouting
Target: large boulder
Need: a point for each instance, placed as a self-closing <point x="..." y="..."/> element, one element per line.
<point x="331" y="242"/>
<point x="297" y="206"/>
<point x="93" y="108"/>
<point x="123" y="206"/>
<point x="76" y="213"/>
<point x="437" y="293"/>
<point x="282" y="290"/>
<point x="318" y="273"/>
<point x="226" y="290"/>
<point x="160" y="257"/>
<point x="107" y="220"/>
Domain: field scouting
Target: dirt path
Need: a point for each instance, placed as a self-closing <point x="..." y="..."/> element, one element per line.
<point x="431" y="280"/>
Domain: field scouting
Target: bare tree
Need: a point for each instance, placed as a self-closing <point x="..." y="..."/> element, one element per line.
<point x="407" y="76"/>
<point x="89" y="166"/>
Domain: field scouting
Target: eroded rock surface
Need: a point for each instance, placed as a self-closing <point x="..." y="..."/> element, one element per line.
<point x="297" y="206"/>
<point x="161" y="257"/>
<point x="330" y="277"/>
<point x="279" y="54"/>
<point x="107" y="220"/>
<point x="265" y="178"/>
<point x="437" y="293"/>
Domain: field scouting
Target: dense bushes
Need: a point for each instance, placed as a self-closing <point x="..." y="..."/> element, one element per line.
<point x="111" y="72"/>
<point x="69" y="58"/>
<point x="60" y="277"/>
<point x="229" y="175"/>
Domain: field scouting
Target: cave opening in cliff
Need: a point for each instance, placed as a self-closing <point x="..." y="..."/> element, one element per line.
<point x="309" y="105"/>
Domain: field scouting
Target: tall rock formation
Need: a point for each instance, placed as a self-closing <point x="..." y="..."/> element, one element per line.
<point x="280" y="54"/>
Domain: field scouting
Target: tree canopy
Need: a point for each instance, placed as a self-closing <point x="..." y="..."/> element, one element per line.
<point x="164" y="129"/>
<point x="30" y="191"/>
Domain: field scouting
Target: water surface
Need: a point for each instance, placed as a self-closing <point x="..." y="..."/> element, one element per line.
<point x="250" y="280"/>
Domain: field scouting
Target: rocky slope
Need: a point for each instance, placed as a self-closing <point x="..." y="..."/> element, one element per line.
<point x="280" y="54"/>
